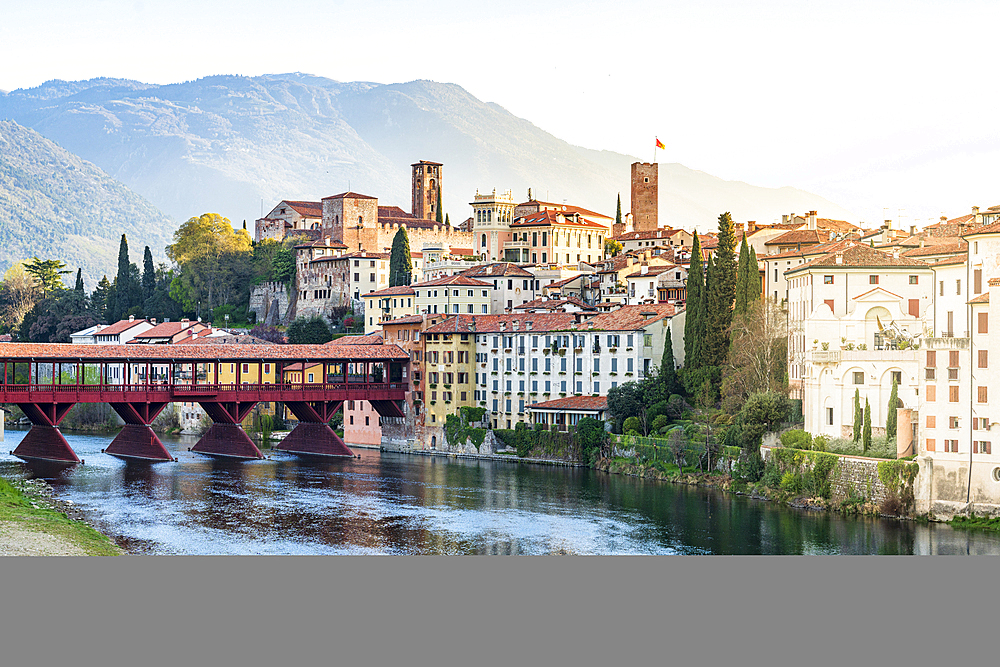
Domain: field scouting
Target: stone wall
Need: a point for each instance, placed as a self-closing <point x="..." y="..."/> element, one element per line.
<point x="853" y="473"/>
<point x="270" y="302"/>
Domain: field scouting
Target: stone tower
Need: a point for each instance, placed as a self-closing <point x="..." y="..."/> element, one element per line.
<point x="426" y="186"/>
<point x="645" y="199"/>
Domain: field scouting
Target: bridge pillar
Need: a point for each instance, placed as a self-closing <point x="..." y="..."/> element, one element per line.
<point x="313" y="435"/>
<point x="226" y="438"/>
<point x="137" y="440"/>
<point x="44" y="441"/>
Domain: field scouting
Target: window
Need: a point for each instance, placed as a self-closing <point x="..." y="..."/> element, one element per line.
<point x="981" y="447"/>
<point x="597" y="387"/>
<point x="579" y="386"/>
<point x="366" y="421"/>
<point x="953" y="359"/>
<point x="913" y="307"/>
<point x="827" y="280"/>
<point x="931" y="394"/>
<point x="983" y="321"/>
<point x="977" y="281"/>
<point x="951" y="445"/>
<point x="873" y="280"/>
<point x="930" y="373"/>
<point x="958" y="286"/>
<point x="647" y="340"/>
<point x="953" y="422"/>
<point x="930" y="445"/>
<point x="931" y="358"/>
<point x="984" y="358"/>
<point x="897" y="377"/>
<point x="953" y="393"/>
<point x="914" y="280"/>
<point x="981" y="398"/>
<point x="941" y="288"/>
<point x="829" y="416"/>
<point x="859" y="377"/>
<point x="931" y="421"/>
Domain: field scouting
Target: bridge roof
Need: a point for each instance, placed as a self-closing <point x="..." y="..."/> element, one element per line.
<point x="202" y="352"/>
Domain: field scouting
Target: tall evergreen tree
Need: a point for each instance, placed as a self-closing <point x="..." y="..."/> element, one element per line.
<point x="122" y="303"/>
<point x="866" y="432"/>
<point x="753" y="279"/>
<point x="742" y="276"/>
<point x="890" y="415"/>
<point x="695" y="284"/>
<point x="721" y="292"/>
<point x="618" y="216"/>
<point x="701" y="346"/>
<point x="400" y="262"/>
<point x="668" y="370"/>
<point x="858" y="415"/>
<point x="148" y="275"/>
<point x="79" y="280"/>
<point x="447" y="220"/>
<point x="440" y="213"/>
<point x="99" y="299"/>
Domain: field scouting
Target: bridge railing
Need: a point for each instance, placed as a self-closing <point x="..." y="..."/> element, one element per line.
<point x="186" y="388"/>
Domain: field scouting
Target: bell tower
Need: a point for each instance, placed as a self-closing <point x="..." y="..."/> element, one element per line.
<point x="426" y="188"/>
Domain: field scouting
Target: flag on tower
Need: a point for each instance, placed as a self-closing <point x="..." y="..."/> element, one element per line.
<point x="659" y="144"/>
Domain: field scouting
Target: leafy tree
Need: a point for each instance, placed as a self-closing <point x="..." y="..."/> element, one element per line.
<point x="148" y="275"/>
<point x="891" y="417"/>
<point x="160" y="305"/>
<point x="858" y="415"/>
<point x="624" y="401"/>
<point x="18" y="295"/>
<point x="309" y="331"/>
<point x="591" y="435"/>
<point x="48" y="274"/>
<point x="53" y="319"/>
<point x="866" y="432"/>
<point x="283" y="266"/>
<point x="440" y="213"/>
<point x="767" y="409"/>
<point x="213" y="261"/>
<point x="632" y="425"/>
<point x="756" y="360"/>
<point x="612" y="247"/>
<point x="400" y="262"/>
<point x="79" y="281"/>
<point x="721" y="294"/>
<point x="693" y="305"/>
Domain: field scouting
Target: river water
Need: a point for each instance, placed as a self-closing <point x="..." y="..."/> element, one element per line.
<point x="388" y="503"/>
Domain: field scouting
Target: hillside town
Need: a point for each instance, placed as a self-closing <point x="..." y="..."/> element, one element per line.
<point x="534" y="314"/>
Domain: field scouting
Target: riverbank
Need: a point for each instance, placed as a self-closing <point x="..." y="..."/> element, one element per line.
<point x="35" y="523"/>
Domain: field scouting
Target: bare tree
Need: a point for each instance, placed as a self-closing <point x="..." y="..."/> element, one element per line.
<point x="758" y="354"/>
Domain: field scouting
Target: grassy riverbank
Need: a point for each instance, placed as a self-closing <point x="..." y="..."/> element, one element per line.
<point x="32" y="523"/>
<point x="976" y="523"/>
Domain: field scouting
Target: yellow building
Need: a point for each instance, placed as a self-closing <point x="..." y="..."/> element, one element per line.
<point x="449" y="383"/>
<point x="388" y="304"/>
<point x="453" y="295"/>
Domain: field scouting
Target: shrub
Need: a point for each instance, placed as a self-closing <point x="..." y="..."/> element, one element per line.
<point x="796" y="439"/>
<point x="632" y="424"/>
<point x="660" y="421"/>
<point x="790" y="482"/>
<point x="772" y="475"/>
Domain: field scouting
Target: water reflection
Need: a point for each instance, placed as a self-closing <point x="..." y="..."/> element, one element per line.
<point x="409" y="504"/>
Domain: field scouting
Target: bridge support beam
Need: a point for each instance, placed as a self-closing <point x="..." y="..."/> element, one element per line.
<point x="313" y="435"/>
<point x="137" y="440"/>
<point x="226" y="438"/>
<point x="44" y="442"/>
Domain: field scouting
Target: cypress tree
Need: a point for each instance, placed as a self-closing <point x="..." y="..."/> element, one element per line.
<point x="858" y="416"/>
<point x="890" y="417"/>
<point x="866" y="433"/>
<point x="695" y="283"/>
<point x="618" y="216"/>
<point x="721" y="290"/>
<point x="99" y="298"/>
<point x="742" y="276"/>
<point x="447" y="220"/>
<point x="701" y="345"/>
<point x="440" y="213"/>
<point x="79" y="280"/>
<point x="122" y="304"/>
<point x="400" y="262"/>
<point x="668" y="370"/>
<point x="753" y="279"/>
<point x="148" y="275"/>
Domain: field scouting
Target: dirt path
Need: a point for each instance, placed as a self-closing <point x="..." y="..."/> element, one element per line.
<point x="16" y="540"/>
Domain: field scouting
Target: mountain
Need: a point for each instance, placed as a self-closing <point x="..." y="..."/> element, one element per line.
<point x="236" y="145"/>
<point x="57" y="206"/>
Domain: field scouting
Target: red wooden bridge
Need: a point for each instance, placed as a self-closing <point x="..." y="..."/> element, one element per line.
<point x="139" y="381"/>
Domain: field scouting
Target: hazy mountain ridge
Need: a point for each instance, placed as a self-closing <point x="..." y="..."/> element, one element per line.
<point x="224" y="143"/>
<point x="54" y="204"/>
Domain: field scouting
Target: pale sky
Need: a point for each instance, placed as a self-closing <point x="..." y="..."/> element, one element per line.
<point x="877" y="105"/>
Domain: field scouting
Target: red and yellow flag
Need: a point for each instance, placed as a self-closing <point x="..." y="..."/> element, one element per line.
<point x="659" y="144"/>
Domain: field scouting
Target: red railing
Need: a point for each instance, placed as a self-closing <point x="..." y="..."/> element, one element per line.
<point x="166" y="391"/>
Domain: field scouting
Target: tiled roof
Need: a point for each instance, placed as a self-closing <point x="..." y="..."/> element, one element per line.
<point x="504" y="323"/>
<point x="392" y="212"/>
<point x="993" y="282"/>
<point x="982" y="298"/>
<point x="860" y="256"/>
<point x="553" y="304"/>
<point x="497" y="269"/>
<point x="984" y="229"/>
<point x="409" y="319"/>
<point x="938" y="249"/>
<point x="573" y="403"/>
<point x="198" y="352"/>
<point x="165" y="329"/>
<point x="813" y="250"/>
<point x="628" y="318"/>
<point x="119" y="327"/>
<point x="457" y="279"/>
<point x="835" y="225"/>
<point x="552" y="218"/>
<point x="230" y="339"/>
<point x="567" y="208"/>
<point x="369" y="339"/>
<point x="950" y="261"/>
<point x="391" y="291"/>
<point x="652" y="271"/>
<point x="662" y="233"/>
<point x="307" y="209"/>
<point x="799" y="236"/>
<point x="563" y="282"/>
<point x="348" y="195"/>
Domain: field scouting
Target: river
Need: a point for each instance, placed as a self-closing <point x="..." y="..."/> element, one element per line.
<point x="389" y="503"/>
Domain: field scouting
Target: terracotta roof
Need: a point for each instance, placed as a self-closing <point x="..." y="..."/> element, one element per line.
<point x="391" y="291"/>
<point x="564" y="281"/>
<point x="938" y="249"/>
<point x="993" y="282"/>
<point x="962" y="219"/>
<point x="799" y="236"/>
<point x="820" y="249"/>
<point x="835" y="225"/>
<point x="165" y="329"/>
<point x="984" y="229"/>
<point x="540" y="322"/>
<point x="427" y="162"/>
<point x="198" y="352"/>
<point x="950" y="261"/>
<point x="652" y="271"/>
<point x="497" y="269"/>
<point x="552" y="218"/>
<point x="860" y="256"/>
<point x="457" y="279"/>
<point x="662" y="233"/>
<point x="409" y="319"/>
<point x="982" y="298"/>
<point x="392" y="212"/>
<point x="348" y="195"/>
<point x="573" y="403"/>
<point x="119" y="327"/>
<point x="369" y="339"/>
<point x="230" y="339"/>
<point x="628" y="318"/>
<point x="566" y="208"/>
<point x="553" y="304"/>
<point x="307" y="209"/>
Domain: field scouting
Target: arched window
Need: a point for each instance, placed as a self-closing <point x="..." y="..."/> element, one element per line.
<point x="489" y="215"/>
<point x="360" y="221"/>
<point x="484" y="240"/>
<point x="336" y="219"/>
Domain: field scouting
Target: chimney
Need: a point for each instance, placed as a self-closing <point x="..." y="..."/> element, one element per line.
<point x="784" y="219"/>
<point x="152" y="321"/>
<point x="644" y="269"/>
<point x="812" y="220"/>
<point x="887" y="224"/>
<point x="913" y="230"/>
<point x="131" y="318"/>
<point x="975" y="210"/>
<point x="840" y="258"/>
<point x="895" y="252"/>
<point x="515" y="325"/>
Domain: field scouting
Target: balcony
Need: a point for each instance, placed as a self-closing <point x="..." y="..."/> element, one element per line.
<point x="837" y="356"/>
<point x="945" y="343"/>
<point x="517" y="244"/>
